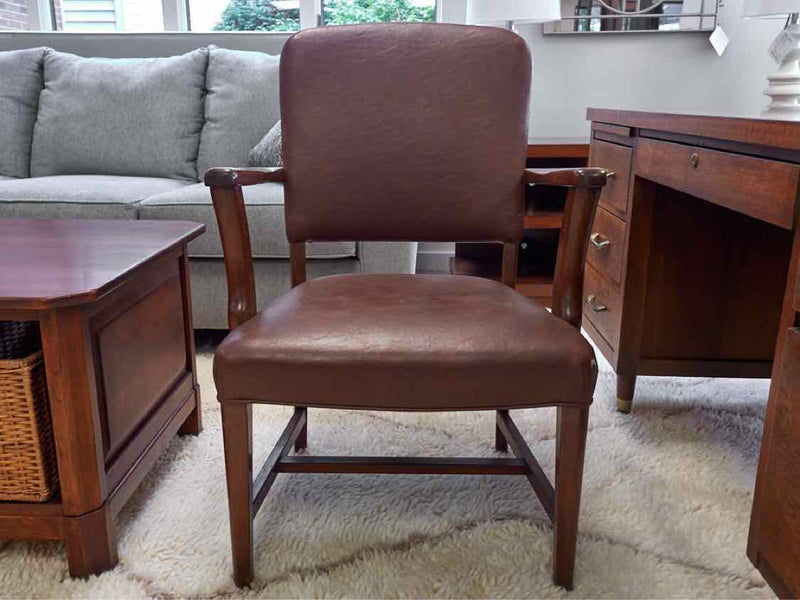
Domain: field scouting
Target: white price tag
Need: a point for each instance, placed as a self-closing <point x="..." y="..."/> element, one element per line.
<point x="781" y="46"/>
<point x="719" y="40"/>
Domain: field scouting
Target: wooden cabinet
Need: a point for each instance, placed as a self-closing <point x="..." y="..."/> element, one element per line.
<point x="774" y="543"/>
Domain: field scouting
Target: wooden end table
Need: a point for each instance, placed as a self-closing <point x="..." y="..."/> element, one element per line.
<point x="113" y="304"/>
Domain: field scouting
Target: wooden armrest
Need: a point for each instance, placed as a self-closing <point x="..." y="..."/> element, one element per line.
<point x="235" y="235"/>
<point x="573" y="243"/>
<point x="584" y="177"/>
<point x="227" y="177"/>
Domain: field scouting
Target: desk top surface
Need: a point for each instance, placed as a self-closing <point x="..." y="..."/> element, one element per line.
<point x="45" y="263"/>
<point x="758" y="130"/>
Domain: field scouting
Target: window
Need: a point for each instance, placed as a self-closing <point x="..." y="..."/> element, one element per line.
<point x="102" y="16"/>
<point x="284" y="15"/>
<point x="244" y="15"/>
<point x="343" y="12"/>
<point x="83" y="15"/>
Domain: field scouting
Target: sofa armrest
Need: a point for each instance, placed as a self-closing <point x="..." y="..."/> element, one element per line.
<point x="387" y="257"/>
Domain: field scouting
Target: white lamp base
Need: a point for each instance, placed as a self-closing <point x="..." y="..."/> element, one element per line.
<point x="784" y="84"/>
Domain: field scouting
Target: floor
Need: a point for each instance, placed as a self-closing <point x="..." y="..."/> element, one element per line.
<point x="666" y="507"/>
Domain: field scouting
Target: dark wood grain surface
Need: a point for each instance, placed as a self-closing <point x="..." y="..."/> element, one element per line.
<point x="736" y="128"/>
<point x="48" y="263"/>
<point x="113" y="305"/>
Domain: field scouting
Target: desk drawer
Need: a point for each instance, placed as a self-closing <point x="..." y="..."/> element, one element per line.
<point x="760" y="188"/>
<point x="606" y="245"/>
<point x="614" y="196"/>
<point x="602" y="305"/>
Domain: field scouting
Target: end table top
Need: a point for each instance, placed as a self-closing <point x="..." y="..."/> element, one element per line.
<point x="46" y="263"/>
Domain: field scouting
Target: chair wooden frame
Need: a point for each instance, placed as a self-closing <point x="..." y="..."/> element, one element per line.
<point x="246" y="494"/>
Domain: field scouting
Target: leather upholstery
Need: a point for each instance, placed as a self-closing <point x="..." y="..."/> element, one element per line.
<point x="405" y="342"/>
<point x="404" y="132"/>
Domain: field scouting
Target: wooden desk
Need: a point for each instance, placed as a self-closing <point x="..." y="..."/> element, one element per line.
<point x="113" y="305"/>
<point x="692" y="271"/>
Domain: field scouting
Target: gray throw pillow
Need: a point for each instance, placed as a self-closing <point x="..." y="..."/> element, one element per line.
<point x="137" y="116"/>
<point x="241" y="104"/>
<point x="269" y="151"/>
<point x="21" y="82"/>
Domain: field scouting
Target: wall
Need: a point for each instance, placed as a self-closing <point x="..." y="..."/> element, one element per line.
<point x="648" y="71"/>
<point x="671" y="71"/>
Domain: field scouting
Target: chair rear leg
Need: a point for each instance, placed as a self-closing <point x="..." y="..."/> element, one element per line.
<point x="500" y="442"/>
<point x="237" y="431"/>
<point x="570" y="446"/>
<point x="302" y="439"/>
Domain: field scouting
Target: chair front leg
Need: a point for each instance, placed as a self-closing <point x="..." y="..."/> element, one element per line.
<point x="571" y="434"/>
<point x="237" y="432"/>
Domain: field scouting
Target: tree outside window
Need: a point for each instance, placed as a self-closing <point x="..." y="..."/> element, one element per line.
<point x="344" y="12"/>
<point x="271" y="15"/>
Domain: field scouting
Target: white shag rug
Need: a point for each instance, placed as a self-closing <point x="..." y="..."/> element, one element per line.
<point x="666" y="508"/>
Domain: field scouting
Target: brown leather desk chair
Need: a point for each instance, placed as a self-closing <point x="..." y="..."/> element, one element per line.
<point x="405" y="132"/>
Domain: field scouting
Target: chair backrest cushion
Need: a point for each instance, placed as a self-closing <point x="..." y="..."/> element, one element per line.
<point x="404" y="132"/>
<point x="129" y="116"/>
<point x="20" y="85"/>
<point x="241" y="106"/>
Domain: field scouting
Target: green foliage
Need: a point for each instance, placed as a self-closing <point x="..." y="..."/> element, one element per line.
<point x="257" y="15"/>
<point x="261" y="15"/>
<point x="342" y="12"/>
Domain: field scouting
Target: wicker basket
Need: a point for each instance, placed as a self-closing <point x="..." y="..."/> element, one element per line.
<point x="19" y="339"/>
<point x="28" y="470"/>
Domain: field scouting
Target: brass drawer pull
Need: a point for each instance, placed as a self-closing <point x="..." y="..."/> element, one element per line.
<point x="694" y="159"/>
<point x="595" y="304"/>
<point x="610" y="174"/>
<point x="599" y="242"/>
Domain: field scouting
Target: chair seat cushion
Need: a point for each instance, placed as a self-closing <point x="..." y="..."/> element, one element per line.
<point x="405" y="342"/>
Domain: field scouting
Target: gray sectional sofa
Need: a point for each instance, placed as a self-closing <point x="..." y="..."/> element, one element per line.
<point x="131" y="138"/>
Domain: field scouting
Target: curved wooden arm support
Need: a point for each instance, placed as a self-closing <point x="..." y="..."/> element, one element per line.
<point x="571" y="259"/>
<point x="235" y="235"/>
<point x="227" y="177"/>
<point x="585" y="177"/>
<point x="585" y="186"/>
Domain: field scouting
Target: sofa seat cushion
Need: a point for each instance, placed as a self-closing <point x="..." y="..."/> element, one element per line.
<point x="139" y="117"/>
<point x="21" y="82"/>
<point x="241" y="106"/>
<point x="80" y="196"/>
<point x="264" y="213"/>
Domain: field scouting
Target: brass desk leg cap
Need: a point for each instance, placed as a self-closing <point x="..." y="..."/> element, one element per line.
<point x="624" y="406"/>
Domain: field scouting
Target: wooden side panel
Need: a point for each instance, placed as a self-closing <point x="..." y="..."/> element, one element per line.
<point x="780" y="497"/>
<point x="142" y="355"/>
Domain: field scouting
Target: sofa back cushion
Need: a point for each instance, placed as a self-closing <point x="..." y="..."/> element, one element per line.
<point x="20" y="86"/>
<point x="242" y="105"/>
<point x="138" y="116"/>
